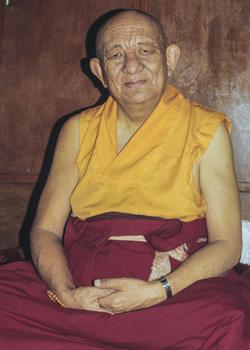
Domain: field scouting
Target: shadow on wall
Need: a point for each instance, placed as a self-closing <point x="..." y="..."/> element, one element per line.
<point x="85" y="67"/>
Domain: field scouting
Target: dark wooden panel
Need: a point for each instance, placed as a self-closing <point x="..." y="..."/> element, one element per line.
<point x="18" y="179"/>
<point x="214" y="68"/>
<point x="14" y="199"/>
<point x="42" y="80"/>
<point x="41" y="45"/>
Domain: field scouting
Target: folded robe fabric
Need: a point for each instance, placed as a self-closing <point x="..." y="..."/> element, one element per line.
<point x="210" y="314"/>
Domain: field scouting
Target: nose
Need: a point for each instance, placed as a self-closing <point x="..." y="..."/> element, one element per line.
<point x="131" y="63"/>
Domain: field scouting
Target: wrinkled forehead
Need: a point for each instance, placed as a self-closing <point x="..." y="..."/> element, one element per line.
<point x="129" y="26"/>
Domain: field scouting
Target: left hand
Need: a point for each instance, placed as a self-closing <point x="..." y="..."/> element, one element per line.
<point x="130" y="294"/>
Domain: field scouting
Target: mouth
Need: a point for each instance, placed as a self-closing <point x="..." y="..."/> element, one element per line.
<point x="135" y="83"/>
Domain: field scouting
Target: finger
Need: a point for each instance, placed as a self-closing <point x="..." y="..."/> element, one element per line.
<point x="98" y="309"/>
<point x="106" y="302"/>
<point x="102" y="293"/>
<point x="113" y="310"/>
<point x="112" y="302"/>
<point x="102" y="309"/>
<point x="113" y="283"/>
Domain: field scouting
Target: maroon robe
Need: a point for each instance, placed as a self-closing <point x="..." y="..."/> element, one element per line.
<point x="210" y="314"/>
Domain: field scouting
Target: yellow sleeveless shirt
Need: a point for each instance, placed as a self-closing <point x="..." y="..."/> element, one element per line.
<point x="153" y="174"/>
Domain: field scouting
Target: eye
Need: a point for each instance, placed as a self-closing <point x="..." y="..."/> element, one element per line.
<point x="145" y="52"/>
<point x="114" y="55"/>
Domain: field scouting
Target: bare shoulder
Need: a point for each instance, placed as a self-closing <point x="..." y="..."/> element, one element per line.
<point x="63" y="174"/>
<point x="72" y="124"/>
<point x="216" y="165"/>
<point x="217" y="174"/>
<point x="219" y="186"/>
<point x="54" y="205"/>
<point x="68" y="141"/>
<point x="219" y="152"/>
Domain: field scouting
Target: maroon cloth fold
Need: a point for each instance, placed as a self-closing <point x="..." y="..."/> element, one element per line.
<point x="210" y="314"/>
<point x="92" y="255"/>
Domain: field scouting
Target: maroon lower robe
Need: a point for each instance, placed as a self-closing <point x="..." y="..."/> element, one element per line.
<point x="210" y="314"/>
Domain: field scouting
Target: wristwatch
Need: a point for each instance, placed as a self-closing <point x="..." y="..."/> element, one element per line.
<point x="166" y="286"/>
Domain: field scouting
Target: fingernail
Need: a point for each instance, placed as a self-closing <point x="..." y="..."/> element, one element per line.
<point x="97" y="283"/>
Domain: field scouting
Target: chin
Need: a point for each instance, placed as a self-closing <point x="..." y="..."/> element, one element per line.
<point x="141" y="99"/>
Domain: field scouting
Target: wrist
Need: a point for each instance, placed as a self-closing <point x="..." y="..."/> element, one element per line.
<point x="62" y="288"/>
<point x="158" y="292"/>
<point x="66" y="296"/>
<point x="166" y="286"/>
<point x="53" y="297"/>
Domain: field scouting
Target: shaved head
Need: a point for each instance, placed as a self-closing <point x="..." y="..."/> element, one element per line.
<point x="121" y="13"/>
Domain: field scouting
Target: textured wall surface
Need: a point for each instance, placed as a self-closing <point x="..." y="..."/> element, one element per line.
<point x="12" y="196"/>
<point x="42" y="43"/>
<point x="214" y="68"/>
<point x="42" y="80"/>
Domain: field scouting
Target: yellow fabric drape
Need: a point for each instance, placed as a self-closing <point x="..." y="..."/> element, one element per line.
<point x="152" y="174"/>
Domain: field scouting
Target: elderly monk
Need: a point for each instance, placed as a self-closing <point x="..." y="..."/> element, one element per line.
<point x="146" y="187"/>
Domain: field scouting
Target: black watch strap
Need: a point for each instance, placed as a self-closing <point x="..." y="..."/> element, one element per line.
<point x="166" y="286"/>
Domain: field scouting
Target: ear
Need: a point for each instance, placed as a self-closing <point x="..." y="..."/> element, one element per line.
<point x="96" y="69"/>
<point x="172" y="56"/>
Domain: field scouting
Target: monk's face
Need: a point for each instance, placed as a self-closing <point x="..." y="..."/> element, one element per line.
<point x="134" y="65"/>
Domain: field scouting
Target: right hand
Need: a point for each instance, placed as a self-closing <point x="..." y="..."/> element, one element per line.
<point x="84" y="298"/>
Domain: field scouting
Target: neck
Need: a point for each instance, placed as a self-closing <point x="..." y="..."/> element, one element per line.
<point x="134" y="115"/>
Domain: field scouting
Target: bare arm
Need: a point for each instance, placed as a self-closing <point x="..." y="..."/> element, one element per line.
<point x="53" y="210"/>
<point x="219" y="187"/>
<point x="47" y="231"/>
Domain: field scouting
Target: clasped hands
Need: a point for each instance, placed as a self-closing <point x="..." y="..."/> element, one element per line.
<point x="116" y="295"/>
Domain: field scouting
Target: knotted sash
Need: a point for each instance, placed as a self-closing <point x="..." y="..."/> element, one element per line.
<point x="92" y="255"/>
